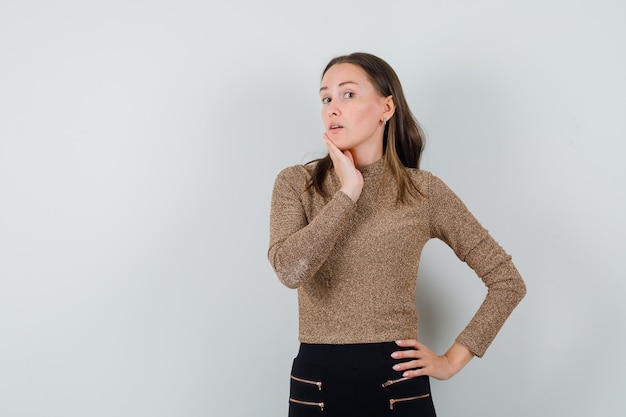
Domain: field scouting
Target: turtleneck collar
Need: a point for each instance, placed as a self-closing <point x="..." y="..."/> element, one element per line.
<point x="373" y="169"/>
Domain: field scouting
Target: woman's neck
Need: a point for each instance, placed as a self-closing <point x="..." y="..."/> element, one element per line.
<point x="366" y="157"/>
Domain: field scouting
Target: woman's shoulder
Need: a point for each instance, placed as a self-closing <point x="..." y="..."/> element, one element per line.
<point x="297" y="170"/>
<point x="296" y="175"/>
<point x="421" y="178"/>
<point x="428" y="183"/>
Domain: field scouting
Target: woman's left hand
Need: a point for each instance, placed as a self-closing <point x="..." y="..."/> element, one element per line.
<point x="425" y="362"/>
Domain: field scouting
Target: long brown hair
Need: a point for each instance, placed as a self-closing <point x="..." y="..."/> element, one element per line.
<point x="403" y="139"/>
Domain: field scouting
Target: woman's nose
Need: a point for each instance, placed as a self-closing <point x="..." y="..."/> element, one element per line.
<point x="333" y="109"/>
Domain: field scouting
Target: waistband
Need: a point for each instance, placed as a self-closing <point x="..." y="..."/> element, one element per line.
<point x="344" y="354"/>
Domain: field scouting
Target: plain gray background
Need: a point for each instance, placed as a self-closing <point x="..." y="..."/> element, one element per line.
<point x="139" y="142"/>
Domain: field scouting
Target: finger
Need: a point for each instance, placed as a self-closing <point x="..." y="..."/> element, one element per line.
<point x="408" y="343"/>
<point x="413" y="373"/>
<point x="329" y="144"/>
<point x="421" y="346"/>
<point x="415" y="345"/>
<point x="334" y="152"/>
<point x="404" y="366"/>
<point x="327" y="141"/>
<point x="403" y="354"/>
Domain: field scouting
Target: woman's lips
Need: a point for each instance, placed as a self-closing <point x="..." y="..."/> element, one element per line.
<point x="334" y="128"/>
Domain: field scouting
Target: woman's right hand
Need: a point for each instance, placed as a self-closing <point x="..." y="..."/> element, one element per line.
<point x="349" y="176"/>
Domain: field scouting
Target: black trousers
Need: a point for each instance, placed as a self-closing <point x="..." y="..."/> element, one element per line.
<point x="355" y="381"/>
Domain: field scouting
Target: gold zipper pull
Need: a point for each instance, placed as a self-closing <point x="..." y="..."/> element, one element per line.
<point x="306" y="381"/>
<point x="392" y="401"/>
<point x="311" y="403"/>
<point x="394" y="381"/>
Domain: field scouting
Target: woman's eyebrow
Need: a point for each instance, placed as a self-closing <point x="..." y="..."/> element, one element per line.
<point x="340" y="85"/>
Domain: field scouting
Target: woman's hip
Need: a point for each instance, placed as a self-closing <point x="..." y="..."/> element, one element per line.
<point x="354" y="380"/>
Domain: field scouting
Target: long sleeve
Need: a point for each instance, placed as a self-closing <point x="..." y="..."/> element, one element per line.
<point x="299" y="245"/>
<point x="452" y="222"/>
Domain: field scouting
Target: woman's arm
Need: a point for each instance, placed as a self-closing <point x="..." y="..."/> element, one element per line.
<point x="453" y="223"/>
<point x="299" y="248"/>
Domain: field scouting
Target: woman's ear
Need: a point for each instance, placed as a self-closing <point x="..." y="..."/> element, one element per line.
<point x="389" y="108"/>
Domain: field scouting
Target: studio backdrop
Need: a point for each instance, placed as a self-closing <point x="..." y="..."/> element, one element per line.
<point x="139" y="143"/>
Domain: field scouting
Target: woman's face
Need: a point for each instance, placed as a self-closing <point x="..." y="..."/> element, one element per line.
<point x="353" y="110"/>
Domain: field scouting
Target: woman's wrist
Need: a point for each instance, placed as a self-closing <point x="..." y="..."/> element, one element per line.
<point x="458" y="356"/>
<point x="353" y="192"/>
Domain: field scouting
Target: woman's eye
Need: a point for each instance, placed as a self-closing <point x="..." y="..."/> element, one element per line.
<point x="348" y="94"/>
<point x="325" y="100"/>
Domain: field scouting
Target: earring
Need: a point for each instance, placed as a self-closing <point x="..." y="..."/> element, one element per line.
<point x="384" y="121"/>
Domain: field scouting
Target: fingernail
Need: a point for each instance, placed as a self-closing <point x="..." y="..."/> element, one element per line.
<point x="394" y="355"/>
<point x="405" y="374"/>
<point x="396" y="367"/>
<point x="398" y="342"/>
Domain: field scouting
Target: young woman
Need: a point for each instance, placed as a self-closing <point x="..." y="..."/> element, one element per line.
<point x="347" y="231"/>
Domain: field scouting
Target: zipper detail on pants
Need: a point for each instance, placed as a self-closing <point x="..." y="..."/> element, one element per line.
<point x="306" y="381"/>
<point x="320" y="405"/>
<point x="395" y="381"/>
<point x="399" y="400"/>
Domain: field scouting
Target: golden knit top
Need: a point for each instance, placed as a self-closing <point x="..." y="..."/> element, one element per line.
<point x="355" y="263"/>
